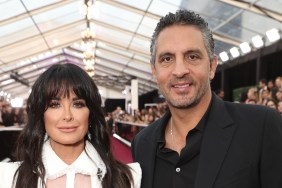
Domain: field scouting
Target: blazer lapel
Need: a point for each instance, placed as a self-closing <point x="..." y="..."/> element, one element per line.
<point x="147" y="161"/>
<point x="148" y="151"/>
<point x="217" y="138"/>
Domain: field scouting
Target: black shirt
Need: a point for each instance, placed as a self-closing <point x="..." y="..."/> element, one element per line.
<point x="179" y="171"/>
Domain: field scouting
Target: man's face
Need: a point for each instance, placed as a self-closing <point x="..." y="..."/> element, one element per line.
<point x="182" y="68"/>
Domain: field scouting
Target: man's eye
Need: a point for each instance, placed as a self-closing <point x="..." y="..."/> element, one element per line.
<point x="193" y="57"/>
<point x="166" y="59"/>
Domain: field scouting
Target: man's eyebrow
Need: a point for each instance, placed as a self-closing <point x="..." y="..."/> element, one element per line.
<point x="193" y="51"/>
<point x="165" y="53"/>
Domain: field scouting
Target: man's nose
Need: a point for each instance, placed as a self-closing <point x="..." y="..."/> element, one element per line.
<point x="180" y="68"/>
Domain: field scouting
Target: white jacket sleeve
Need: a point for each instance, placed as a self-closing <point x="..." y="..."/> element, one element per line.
<point x="136" y="174"/>
<point x="7" y="171"/>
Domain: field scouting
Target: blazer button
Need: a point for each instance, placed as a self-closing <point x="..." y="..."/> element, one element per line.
<point x="177" y="169"/>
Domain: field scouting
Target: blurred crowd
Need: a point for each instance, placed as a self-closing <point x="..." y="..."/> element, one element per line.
<point x="144" y="116"/>
<point x="267" y="93"/>
<point x="10" y="116"/>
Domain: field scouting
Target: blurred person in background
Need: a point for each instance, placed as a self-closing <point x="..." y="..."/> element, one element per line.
<point x="278" y="95"/>
<point x="271" y="103"/>
<point x="220" y="93"/>
<point x="262" y="85"/>
<point x="252" y="94"/>
<point x="264" y="96"/>
<point x="270" y="84"/>
<point x="279" y="107"/>
<point x="1" y="109"/>
<point x="8" y="116"/>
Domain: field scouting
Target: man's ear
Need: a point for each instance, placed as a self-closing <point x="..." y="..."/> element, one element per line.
<point x="154" y="73"/>
<point x="213" y="66"/>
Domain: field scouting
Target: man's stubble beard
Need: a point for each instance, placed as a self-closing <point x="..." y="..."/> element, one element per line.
<point x="186" y="102"/>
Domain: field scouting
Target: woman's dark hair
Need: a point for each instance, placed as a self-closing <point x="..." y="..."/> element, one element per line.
<point x="60" y="80"/>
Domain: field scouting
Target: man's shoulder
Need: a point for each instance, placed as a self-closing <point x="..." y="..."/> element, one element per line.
<point x="250" y="111"/>
<point x="249" y="108"/>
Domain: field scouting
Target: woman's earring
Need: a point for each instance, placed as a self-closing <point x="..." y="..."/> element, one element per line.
<point x="88" y="133"/>
<point x="46" y="137"/>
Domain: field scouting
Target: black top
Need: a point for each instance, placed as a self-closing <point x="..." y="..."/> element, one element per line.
<point x="179" y="171"/>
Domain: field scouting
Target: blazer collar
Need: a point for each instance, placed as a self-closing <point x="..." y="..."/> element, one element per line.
<point x="148" y="147"/>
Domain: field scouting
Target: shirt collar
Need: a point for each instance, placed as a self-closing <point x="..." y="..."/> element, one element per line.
<point x="88" y="163"/>
<point x="164" y="121"/>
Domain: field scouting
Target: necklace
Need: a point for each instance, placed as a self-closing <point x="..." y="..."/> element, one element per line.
<point x="171" y="134"/>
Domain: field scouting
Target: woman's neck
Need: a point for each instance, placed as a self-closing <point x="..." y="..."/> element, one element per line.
<point x="68" y="153"/>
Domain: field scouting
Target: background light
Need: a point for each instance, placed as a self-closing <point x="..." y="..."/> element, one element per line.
<point x="234" y="52"/>
<point x="17" y="102"/>
<point x="273" y="35"/>
<point x="257" y="41"/>
<point x="245" y="47"/>
<point x="224" y="56"/>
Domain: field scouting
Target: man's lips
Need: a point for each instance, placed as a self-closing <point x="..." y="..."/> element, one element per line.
<point x="181" y="85"/>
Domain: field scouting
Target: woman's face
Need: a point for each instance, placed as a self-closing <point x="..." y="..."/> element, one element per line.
<point x="271" y="104"/>
<point x="279" y="107"/>
<point x="66" y="121"/>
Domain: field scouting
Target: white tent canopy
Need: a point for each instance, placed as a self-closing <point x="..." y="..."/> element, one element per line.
<point x="35" y="34"/>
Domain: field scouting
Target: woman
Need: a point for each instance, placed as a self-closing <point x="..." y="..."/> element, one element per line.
<point x="271" y="103"/>
<point x="252" y="94"/>
<point x="279" y="107"/>
<point x="66" y="142"/>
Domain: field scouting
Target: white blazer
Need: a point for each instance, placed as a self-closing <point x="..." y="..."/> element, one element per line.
<point x="88" y="163"/>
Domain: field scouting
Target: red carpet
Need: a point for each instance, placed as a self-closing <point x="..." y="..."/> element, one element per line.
<point x="121" y="151"/>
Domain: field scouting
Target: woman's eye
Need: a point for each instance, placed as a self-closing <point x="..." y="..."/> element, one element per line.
<point x="79" y="104"/>
<point x="54" y="104"/>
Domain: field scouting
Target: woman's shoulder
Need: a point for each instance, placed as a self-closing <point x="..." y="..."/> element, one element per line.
<point x="136" y="173"/>
<point x="7" y="172"/>
<point x="9" y="167"/>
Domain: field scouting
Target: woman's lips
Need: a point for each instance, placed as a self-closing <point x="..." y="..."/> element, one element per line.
<point x="67" y="129"/>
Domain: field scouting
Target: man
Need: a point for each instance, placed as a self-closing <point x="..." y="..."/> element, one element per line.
<point x="203" y="141"/>
<point x="262" y="85"/>
<point x="220" y="93"/>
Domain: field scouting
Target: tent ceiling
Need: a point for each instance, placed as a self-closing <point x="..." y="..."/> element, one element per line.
<point x="36" y="34"/>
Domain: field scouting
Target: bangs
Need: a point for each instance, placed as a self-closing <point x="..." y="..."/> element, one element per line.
<point x="60" y="81"/>
<point x="61" y="84"/>
<point x="59" y="88"/>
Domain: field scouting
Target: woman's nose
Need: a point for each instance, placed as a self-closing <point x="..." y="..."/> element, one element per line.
<point x="67" y="115"/>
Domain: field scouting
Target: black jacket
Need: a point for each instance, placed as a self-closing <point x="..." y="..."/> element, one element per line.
<point x="241" y="148"/>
